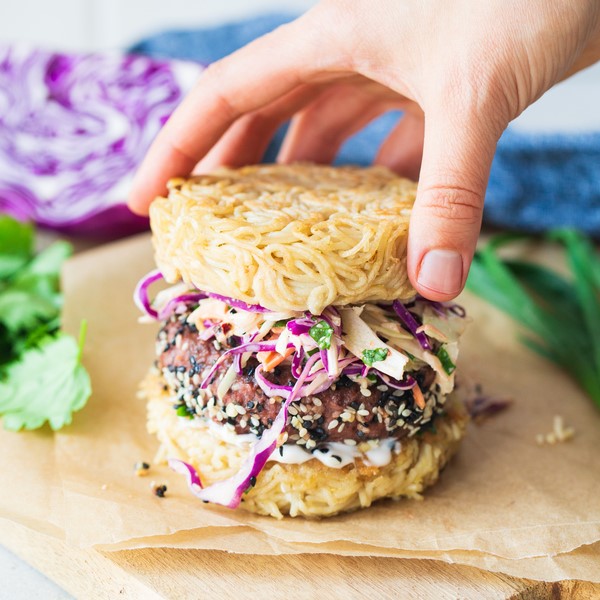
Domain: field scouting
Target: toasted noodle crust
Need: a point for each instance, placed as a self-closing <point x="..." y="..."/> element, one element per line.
<point x="288" y="237"/>
<point x="310" y="489"/>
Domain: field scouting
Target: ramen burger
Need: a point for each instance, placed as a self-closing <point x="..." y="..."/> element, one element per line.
<point x="297" y="371"/>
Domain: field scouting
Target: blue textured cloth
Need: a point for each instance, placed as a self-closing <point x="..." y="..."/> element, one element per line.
<point x="538" y="181"/>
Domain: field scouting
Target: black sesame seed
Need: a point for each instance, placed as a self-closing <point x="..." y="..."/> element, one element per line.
<point x="160" y="491"/>
<point x="344" y="381"/>
<point x="354" y="404"/>
<point x="252" y="481"/>
<point x="250" y="404"/>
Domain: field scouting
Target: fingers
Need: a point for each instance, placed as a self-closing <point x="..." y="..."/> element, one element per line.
<point x="403" y="148"/>
<point x="446" y="218"/>
<point x="317" y="133"/>
<point x="246" y="141"/>
<point x="244" y="82"/>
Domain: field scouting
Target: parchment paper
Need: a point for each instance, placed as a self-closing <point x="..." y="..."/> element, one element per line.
<point x="503" y="504"/>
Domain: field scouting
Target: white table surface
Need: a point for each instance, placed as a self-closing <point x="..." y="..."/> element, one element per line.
<point x="570" y="106"/>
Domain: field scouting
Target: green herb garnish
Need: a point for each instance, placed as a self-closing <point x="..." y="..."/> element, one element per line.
<point x="321" y="333"/>
<point x="445" y="359"/>
<point x="371" y="356"/>
<point x="183" y="411"/>
<point x="562" y="314"/>
<point x="281" y="323"/>
<point x="41" y="376"/>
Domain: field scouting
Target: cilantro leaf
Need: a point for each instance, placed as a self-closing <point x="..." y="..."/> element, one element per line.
<point x="41" y="376"/>
<point x="321" y="333"/>
<point x="446" y="361"/>
<point x="371" y="356"/>
<point x="16" y="245"/>
<point x="31" y="296"/>
<point x="47" y="383"/>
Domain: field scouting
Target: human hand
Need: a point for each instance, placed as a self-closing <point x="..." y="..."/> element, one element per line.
<point x="460" y="71"/>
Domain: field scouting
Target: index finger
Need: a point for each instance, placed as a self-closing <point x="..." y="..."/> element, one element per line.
<point x="245" y="81"/>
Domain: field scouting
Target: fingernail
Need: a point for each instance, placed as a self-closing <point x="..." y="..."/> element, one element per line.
<point x="441" y="271"/>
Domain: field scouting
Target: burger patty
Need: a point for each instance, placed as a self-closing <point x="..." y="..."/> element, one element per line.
<point x="346" y="412"/>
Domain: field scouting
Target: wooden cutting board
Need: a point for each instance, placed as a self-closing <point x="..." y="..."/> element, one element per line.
<point x="163" y="573"/>
<point x="180" y="574"/>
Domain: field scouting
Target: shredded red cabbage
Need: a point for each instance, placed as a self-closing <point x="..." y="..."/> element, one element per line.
<point x="239" y="303"/>
<point x="185" y="299"/>
<point x="241" y="349"/>
<point x="191" y="475"/>
<point x="268" y="387"/>
<point x="411" y="324"/>
<point x="299" y="326"/>
<point x="140" y="295"/>
<point x="229" y="491"/>
<point x="407" y="383"/>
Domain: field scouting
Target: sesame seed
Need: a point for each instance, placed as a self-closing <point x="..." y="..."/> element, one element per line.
<point x="160" y="490"/>
<point x="406" y="413"/>
<point x="341" y="427"/>
<point x="333" y="424"/>
<point x="317" y="402"/>
<point x="350" y="442"/>
<point x="302" y="432"/>
<point x="363" y="413"/>
<point x="231" y="411"/>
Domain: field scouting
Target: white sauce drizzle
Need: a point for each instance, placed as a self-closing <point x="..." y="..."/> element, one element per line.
<point x="332" y="454"/>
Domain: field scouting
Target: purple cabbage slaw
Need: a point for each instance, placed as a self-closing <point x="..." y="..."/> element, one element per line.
<point x="308" y="379"/>
<point x="73" y="129"/>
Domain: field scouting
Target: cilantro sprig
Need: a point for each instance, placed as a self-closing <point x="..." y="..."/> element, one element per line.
<point x="41" y="375"/>
<point x="561" y="314"/>
<point x="446" y="361"/>
<point x="321" y="333"/>
<point x="371" y="356"/>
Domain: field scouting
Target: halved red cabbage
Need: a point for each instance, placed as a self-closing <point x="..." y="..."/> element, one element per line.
<point x="73" y="129"/>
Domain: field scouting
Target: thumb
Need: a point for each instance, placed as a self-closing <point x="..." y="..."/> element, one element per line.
<point x="446" y="218"/>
